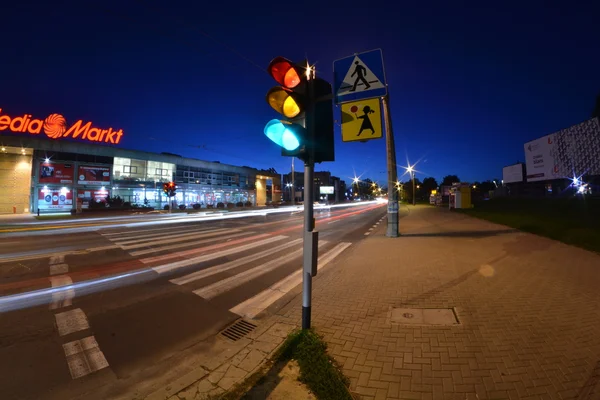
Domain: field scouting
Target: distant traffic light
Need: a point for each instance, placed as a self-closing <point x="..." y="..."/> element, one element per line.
<point x="169" y="189"/>
<point x="305" y="103"/>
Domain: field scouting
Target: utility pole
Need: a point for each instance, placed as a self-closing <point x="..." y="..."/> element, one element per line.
<point x="392" y="210"/>
<point x="413" y="179"/>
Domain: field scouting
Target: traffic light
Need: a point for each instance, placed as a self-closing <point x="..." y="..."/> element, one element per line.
<point x="305" y="103"/>
<point x="169" y="189"/>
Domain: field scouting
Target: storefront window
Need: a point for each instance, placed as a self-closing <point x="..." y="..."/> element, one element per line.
<point x="160" y="171"/>
<point x="127" y="169"/>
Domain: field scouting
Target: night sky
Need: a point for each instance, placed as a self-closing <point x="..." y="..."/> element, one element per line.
<point x="469" y="83"/>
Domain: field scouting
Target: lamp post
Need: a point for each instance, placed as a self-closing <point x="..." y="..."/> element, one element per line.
<point x="411" y="170"/>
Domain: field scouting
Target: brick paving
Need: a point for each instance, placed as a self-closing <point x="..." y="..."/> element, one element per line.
<point x="529" y="311"/>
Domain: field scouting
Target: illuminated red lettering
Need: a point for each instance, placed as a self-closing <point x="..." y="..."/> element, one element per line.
<point x="4" y="121"/>
<point x="95" y="136"/>
<point x="110" y="137"/>
<point x="76" y="129"/>
<point x="38" y="126"/>
<point x="21" y="121"/>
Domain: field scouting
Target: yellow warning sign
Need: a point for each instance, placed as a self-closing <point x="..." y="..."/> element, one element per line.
<point x="361" y="120"/>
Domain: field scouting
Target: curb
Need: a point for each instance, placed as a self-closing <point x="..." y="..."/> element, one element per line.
<point x="235" y="364"/>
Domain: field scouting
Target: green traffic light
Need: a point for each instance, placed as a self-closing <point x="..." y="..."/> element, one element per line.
<point x="283" y="134"/>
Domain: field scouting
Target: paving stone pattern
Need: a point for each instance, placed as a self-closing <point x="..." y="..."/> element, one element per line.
<point x="529" y="311"/>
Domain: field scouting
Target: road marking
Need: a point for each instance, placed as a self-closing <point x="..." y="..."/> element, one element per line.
<point x="367" y="233"/>
<point x="201" y="250"/>
<point x="146" y="237"/>
<point x="184" y="244"/>
<point x="256" y="304"/>
<point x="333" y="222"/>
<point x="61" y="298"/>
<point x="180" y="264"/>
<point x="370" y="229"/>
<point x="375" y="226"/>
<point x="84" y="357"/>
<point x="150" y="231"/>
<point x="232" y="264"/>
<point x="234" y="281"/>
<point x="56" y="269"/>
<point x="71" y="321"/>
<point x="174" y="239"/>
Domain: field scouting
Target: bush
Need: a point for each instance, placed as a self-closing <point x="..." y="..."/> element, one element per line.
<point x="127" y="204"/>
<point x="166" y="207"/>
<point x="220" y="205"/>
<point x="196" y="206"/>
<point x="230" y="205"/>
<point x="209" y="206"/>
<point x="182" y="206"/>
<point x="239" y="204"/>
<point x="248" y="204"/>
<point x="97" y="204"/>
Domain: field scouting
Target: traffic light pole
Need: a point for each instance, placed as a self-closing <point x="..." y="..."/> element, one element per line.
<point x="311" y="239"/>
<point x="392" y="210"/>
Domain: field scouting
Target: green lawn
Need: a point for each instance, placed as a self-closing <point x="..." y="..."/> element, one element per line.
<point x="573" y="221"/>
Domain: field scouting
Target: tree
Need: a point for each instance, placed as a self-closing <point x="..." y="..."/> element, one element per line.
<point x="428" y="185"/>
<point x="596" y="112"/>
<point x="408" y="190"/>
<point x="450" y="179"/>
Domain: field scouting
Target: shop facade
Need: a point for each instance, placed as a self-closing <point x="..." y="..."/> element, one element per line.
<point x="48" y="175"/>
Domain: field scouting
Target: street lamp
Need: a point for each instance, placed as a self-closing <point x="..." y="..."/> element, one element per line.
<point x="411" y="171"/>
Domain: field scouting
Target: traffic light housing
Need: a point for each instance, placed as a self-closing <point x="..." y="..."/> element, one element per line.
<point x="169" y="189"/>
<point x="306" y="104"/>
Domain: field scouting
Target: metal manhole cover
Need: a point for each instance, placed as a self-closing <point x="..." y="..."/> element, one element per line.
<point x="424" y="316"/>
<point x="238" y="330"/>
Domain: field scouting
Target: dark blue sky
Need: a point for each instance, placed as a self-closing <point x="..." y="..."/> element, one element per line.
<point x="469" y="83"/>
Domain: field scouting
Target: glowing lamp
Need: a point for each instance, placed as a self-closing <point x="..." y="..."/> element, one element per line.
<point x="284" y="134"/>
<point x="284" y="102"/>
<point x="284" y="72"/>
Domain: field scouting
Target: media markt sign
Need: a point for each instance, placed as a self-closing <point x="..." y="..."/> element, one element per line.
<point x="55" y="127"/>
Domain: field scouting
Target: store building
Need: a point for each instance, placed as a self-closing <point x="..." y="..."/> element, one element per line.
<point x="38" y="172"/>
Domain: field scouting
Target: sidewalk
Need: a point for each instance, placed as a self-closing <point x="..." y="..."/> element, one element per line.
<point x="528" y="308"/>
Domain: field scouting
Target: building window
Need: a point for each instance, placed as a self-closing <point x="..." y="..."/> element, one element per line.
<point x="188" y="174"/>
<point x="128" y="169"/>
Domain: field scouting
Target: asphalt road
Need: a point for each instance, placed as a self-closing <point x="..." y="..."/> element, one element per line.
<point x="116" y="311"/>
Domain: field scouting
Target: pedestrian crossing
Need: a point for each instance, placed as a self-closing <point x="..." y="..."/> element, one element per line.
<point x="240" y="269"/>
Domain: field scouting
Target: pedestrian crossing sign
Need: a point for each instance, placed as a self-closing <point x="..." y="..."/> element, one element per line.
<point x="361" y="120"/>
<point x="358" y="77"/>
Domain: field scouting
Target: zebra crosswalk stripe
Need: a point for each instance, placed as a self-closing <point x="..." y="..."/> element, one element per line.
<point x="227" y="284"/>
<point x="253" y="306"/>
<point x="232" y="264"/>
<point x="232" y="250"/>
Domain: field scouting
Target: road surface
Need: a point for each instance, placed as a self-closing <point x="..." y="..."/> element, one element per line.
<point x="115" y="310"/>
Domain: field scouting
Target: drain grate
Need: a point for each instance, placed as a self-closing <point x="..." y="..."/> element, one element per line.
<point x="238" y="330"/>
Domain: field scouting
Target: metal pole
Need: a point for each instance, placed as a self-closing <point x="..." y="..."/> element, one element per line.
<point x="309" y="245"/>
<point x="392" y="210"/>
<point x="413" y="179"/>
<point x="293" y="192"/>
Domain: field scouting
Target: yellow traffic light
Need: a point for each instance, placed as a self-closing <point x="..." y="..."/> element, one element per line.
<point x="284" y="102"/>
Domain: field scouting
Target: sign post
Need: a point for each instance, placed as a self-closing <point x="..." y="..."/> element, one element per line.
<point x="359" y="84"/>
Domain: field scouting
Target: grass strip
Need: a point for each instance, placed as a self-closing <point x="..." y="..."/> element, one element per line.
<point x="318" y="371"/>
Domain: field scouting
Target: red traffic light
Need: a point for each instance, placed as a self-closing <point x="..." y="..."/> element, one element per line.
<point x="285" y="72"/>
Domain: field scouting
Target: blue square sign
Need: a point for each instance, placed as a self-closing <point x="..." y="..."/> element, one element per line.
<point x="360" y="76"/>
